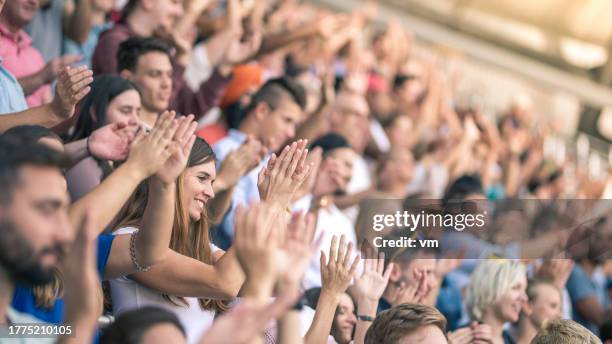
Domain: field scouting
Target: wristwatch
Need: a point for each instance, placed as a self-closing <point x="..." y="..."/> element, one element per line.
<point x="361" y="317"/>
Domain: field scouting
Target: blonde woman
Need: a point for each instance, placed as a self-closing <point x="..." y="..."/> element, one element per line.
<point x="496" y="295"/>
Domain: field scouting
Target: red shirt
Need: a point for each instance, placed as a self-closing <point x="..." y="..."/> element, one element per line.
<point x="22" y="59"/>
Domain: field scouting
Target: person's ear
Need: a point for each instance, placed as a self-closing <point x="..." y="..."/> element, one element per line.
<point x="396" y="273"/>
<point x="92" y="114"/>
<point x="527" y="309"/>
<point x="126" y="74"/>
<point x="262" y="110"/>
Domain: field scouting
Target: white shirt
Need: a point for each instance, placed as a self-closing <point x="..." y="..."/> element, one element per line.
<point x="360" y="181"/>
<point x="128" y="294"/>
<point x="331" y="221"/>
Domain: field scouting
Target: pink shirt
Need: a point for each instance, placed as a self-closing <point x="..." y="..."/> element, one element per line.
<point x="22" y="59"/>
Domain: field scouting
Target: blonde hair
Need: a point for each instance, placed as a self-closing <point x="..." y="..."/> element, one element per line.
<point x="489" y="282"/>
<point x="563" y="331"/>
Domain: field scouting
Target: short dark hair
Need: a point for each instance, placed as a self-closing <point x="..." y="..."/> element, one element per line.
<point x="463" y="187"/>
<point x="330" y="142"/>
<point x="401" y="79"/>
<point x="130" y="326"/>
<point x="104" y="89"/>
<point x="14" y="155"/>
<point x="30" y="133"/>
<point x="276" y="90"/>
<point x="392" y="325"/>
<point x="130" y="51"/>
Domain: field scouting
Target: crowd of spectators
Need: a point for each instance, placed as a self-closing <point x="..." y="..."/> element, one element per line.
<point x="207" y="171"/>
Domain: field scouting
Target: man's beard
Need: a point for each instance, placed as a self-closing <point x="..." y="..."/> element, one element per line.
<point x="19" y="260"/>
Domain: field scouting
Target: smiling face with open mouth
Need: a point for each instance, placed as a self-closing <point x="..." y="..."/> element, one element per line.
<point x="198" y="188"/>
<point x="509" y="306"/>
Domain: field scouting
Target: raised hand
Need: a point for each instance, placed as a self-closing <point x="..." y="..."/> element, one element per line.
<point x="556" y="270"/>
<point x="338" y="270"/>
<point x="405" y="294"/>
<point x="54" y="67"/>
<point x="255" y="242"/>
<point x="313" y="159"/>
<point x="279" y="181"/>
<point x="247" y="320"/>
<point x="239" y="162"/>
<point x="461" y="336"/>
<point x="482" y="333"/>
<point x="72" y="86"/>
<point x="370" y="286"/>
<point x="183" y="141"/>
<point x="296" y="250"/>
<point x="240" y="52"/>
<point x="81" y="282"/>
<point x="110" y="142"/>
<point x="149" y="152"/>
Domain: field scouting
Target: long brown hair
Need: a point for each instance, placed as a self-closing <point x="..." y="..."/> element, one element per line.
<point x="188" y="238"/>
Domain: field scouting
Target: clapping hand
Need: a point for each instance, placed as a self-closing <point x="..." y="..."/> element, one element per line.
<point x="183" y="142"/>
<point x="239" y="162"/>
<point x="281" y="178"/>
<point x="110" y="142"/>
<point x="296" y="250"/>
<point x="149" y="151"/>
<point x="72" y="86"/>
<point x="256" y="240"/>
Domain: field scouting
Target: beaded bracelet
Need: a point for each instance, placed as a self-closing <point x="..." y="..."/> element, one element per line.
<point x="139" y="267"/>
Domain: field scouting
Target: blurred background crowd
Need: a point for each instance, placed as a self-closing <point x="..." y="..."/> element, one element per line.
<point x="207" y="171"/>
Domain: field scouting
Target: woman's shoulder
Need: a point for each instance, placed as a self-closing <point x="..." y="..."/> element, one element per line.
<point x="125" y="230"/>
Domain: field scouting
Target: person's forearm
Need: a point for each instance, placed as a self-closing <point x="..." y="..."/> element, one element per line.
<point x="323" y="318"/>
<point x="82" y="317"/>
<point x="217" y="45"/>
<point x="109" y="196"/>
<point x="31" y="83"/>
<point x="154" y="234"/>
<point x="79" y="23"/>
<point x="289" y="328"/>
<point x="279" y="40"/>
<point x="368" y="308"/>
<point x="346" y="201"/>
<point x="76" y="151"/>
<point x="314" y="126"/>
<point x="43" y="115"/>
<point x="187" y="277"/>
<point x="218" y="206"/>
<point x="513" y="176"/>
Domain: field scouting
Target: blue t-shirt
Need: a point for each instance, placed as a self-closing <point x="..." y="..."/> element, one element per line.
<point x="579" y="286"/>
<point x="25" y="302"/>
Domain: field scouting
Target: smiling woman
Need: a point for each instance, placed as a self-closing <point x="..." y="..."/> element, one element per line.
<point x="190" y="238"/>
<point x="496" y="295"/>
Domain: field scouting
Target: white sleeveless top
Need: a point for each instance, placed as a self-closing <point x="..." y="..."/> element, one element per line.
<point x="128" y="294"/>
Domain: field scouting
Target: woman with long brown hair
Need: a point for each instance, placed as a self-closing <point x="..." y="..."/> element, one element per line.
<point x="196" y="276"/>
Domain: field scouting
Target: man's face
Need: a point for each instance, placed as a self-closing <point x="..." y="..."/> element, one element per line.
<point x="168" y="13"/>
<point x="335" y="172"/>
<point x="20" y="12"/>
<point x="546" y="306"/>
<point x="424" y="263"/>
<point x="153" y="75"/>
<point x="278" y="126"/>
<point x="35" y="225"/>
<point x="351" y="120"/>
